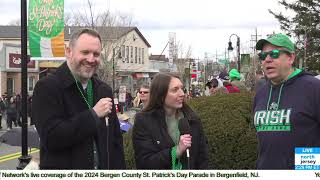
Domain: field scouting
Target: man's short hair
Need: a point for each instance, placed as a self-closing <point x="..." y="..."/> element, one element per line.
<point x="75" y="35"/>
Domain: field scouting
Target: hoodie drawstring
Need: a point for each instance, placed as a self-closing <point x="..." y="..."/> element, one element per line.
<point x="294" y="73"/>
<point x="279" y="97"/>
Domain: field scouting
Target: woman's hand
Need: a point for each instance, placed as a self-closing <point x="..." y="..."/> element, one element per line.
<point x="184" y="143"/>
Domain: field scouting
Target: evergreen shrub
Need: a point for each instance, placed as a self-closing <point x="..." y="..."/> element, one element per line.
<point x="228" y="125"/>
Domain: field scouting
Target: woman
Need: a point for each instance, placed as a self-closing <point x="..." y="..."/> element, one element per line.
<point x="167" y="127"/>
<point x="142" y="96"/>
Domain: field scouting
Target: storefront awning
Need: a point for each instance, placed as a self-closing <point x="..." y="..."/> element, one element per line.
<point x="50" y="64"/>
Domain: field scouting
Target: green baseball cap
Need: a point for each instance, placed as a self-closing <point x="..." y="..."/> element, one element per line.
<point x="234" y="74"/>
<point x="280" y="40"/>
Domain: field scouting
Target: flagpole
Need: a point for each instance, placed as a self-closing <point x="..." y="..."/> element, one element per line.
<point x="25" y="158"/>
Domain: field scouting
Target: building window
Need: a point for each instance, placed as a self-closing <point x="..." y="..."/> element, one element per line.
<point x="10" y="85"/>
<point x="123" y="52"/>
<point x="31" y="80"/>
<point x="131" y="54"/>
<point x="139" y="53"/>
<point x="142" y="55"/>
<point x="127" y="54"/>
<point x="135" y="55"/>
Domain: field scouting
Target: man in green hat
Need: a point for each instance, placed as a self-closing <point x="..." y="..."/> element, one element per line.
<point x="286" y="108"/>
<point x="235" y="78"/>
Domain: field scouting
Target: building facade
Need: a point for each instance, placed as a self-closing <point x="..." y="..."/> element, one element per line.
<point x="10" y="67"/>
<point x="124" y="48"/>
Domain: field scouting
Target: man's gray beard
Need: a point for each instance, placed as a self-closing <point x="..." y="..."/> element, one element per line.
<point x="77" y="74"/>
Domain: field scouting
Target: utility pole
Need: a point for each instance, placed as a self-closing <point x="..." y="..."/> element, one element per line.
<point x="189" y="75"/>
<point x="24" y="159"/>
<point x="205" y="67"/>
<point x="113" y="70"/>
<point x="254" y="39"/>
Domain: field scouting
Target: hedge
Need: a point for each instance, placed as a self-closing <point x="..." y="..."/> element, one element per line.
<point x="228" y="125"/>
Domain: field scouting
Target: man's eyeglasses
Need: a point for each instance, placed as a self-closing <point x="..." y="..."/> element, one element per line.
<point x="143" y="92"/>
<point x="273" y="54"/>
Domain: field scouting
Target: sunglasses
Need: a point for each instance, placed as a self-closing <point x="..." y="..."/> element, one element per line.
<point x="143" y="92"/>
<point x="273" y="54"/>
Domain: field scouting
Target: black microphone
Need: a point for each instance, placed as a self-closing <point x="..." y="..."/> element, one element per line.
<point x="102" y="93"/>
<point x="184" y="128"/>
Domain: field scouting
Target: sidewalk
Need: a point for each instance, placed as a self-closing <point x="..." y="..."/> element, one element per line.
<point x="9" y="154"/>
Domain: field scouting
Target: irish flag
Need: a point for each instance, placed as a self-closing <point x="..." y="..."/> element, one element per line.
<point x="46" y="29"/>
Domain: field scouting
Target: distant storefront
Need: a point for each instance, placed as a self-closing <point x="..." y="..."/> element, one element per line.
<point x="10" y="64"/>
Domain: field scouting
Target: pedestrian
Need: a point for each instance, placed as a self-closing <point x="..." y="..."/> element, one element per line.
<point x="11" y="113"/>
<point x="224" y="77"/>
<point x="286" y="108"/>
<point x="2" y="109"/>
<point x="29" y="109"/>
<point x="235" y="78"/>
<point x="167" y="127"/>
<point x="74" y="112"/>
<point x="143" y="95"/>
<point x="18" y="107"/>
<point x="216" y="87"/>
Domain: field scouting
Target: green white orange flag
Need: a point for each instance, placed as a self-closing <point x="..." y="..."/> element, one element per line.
<point x="46" y="29"/>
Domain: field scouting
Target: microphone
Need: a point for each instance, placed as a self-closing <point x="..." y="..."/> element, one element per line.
<point x="184" y="128"/>
<point x="102" y="93"/>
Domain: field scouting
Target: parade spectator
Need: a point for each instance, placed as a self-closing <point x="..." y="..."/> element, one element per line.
<point x="2" y="109"/>
<point x="11" y="113"/>
<point x="224" y="77"/>
<point x="142" y="96"/>
<point x="29" y="109"/>
<point x="216" y="87"/>
<point x="74" y="111"/>
<point x="286" y="108"/>
<point x="18" y="107"/>
<point x="235" y="78"/>
<point x="167" y="127"/>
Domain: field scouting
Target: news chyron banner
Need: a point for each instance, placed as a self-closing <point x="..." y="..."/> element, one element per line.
<point x="46" y="29"/>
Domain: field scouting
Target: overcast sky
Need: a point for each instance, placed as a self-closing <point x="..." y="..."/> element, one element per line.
<point x="206" y="25"/>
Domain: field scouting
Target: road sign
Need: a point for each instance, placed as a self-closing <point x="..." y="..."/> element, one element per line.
<point x="224" y="61"/>
<point x="122" y="94"/>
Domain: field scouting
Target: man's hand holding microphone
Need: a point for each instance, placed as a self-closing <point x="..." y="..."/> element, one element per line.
<point x="103" y="108"/>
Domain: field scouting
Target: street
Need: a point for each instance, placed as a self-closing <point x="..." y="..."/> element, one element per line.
<point x="10" y="146"/>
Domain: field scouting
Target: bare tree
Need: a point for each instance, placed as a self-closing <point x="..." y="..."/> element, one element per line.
<point x="113" y="29"/>
<point x="183" y="60"/>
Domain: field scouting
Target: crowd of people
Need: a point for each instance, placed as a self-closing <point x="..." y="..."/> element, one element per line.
<point x="10" y="110"/>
